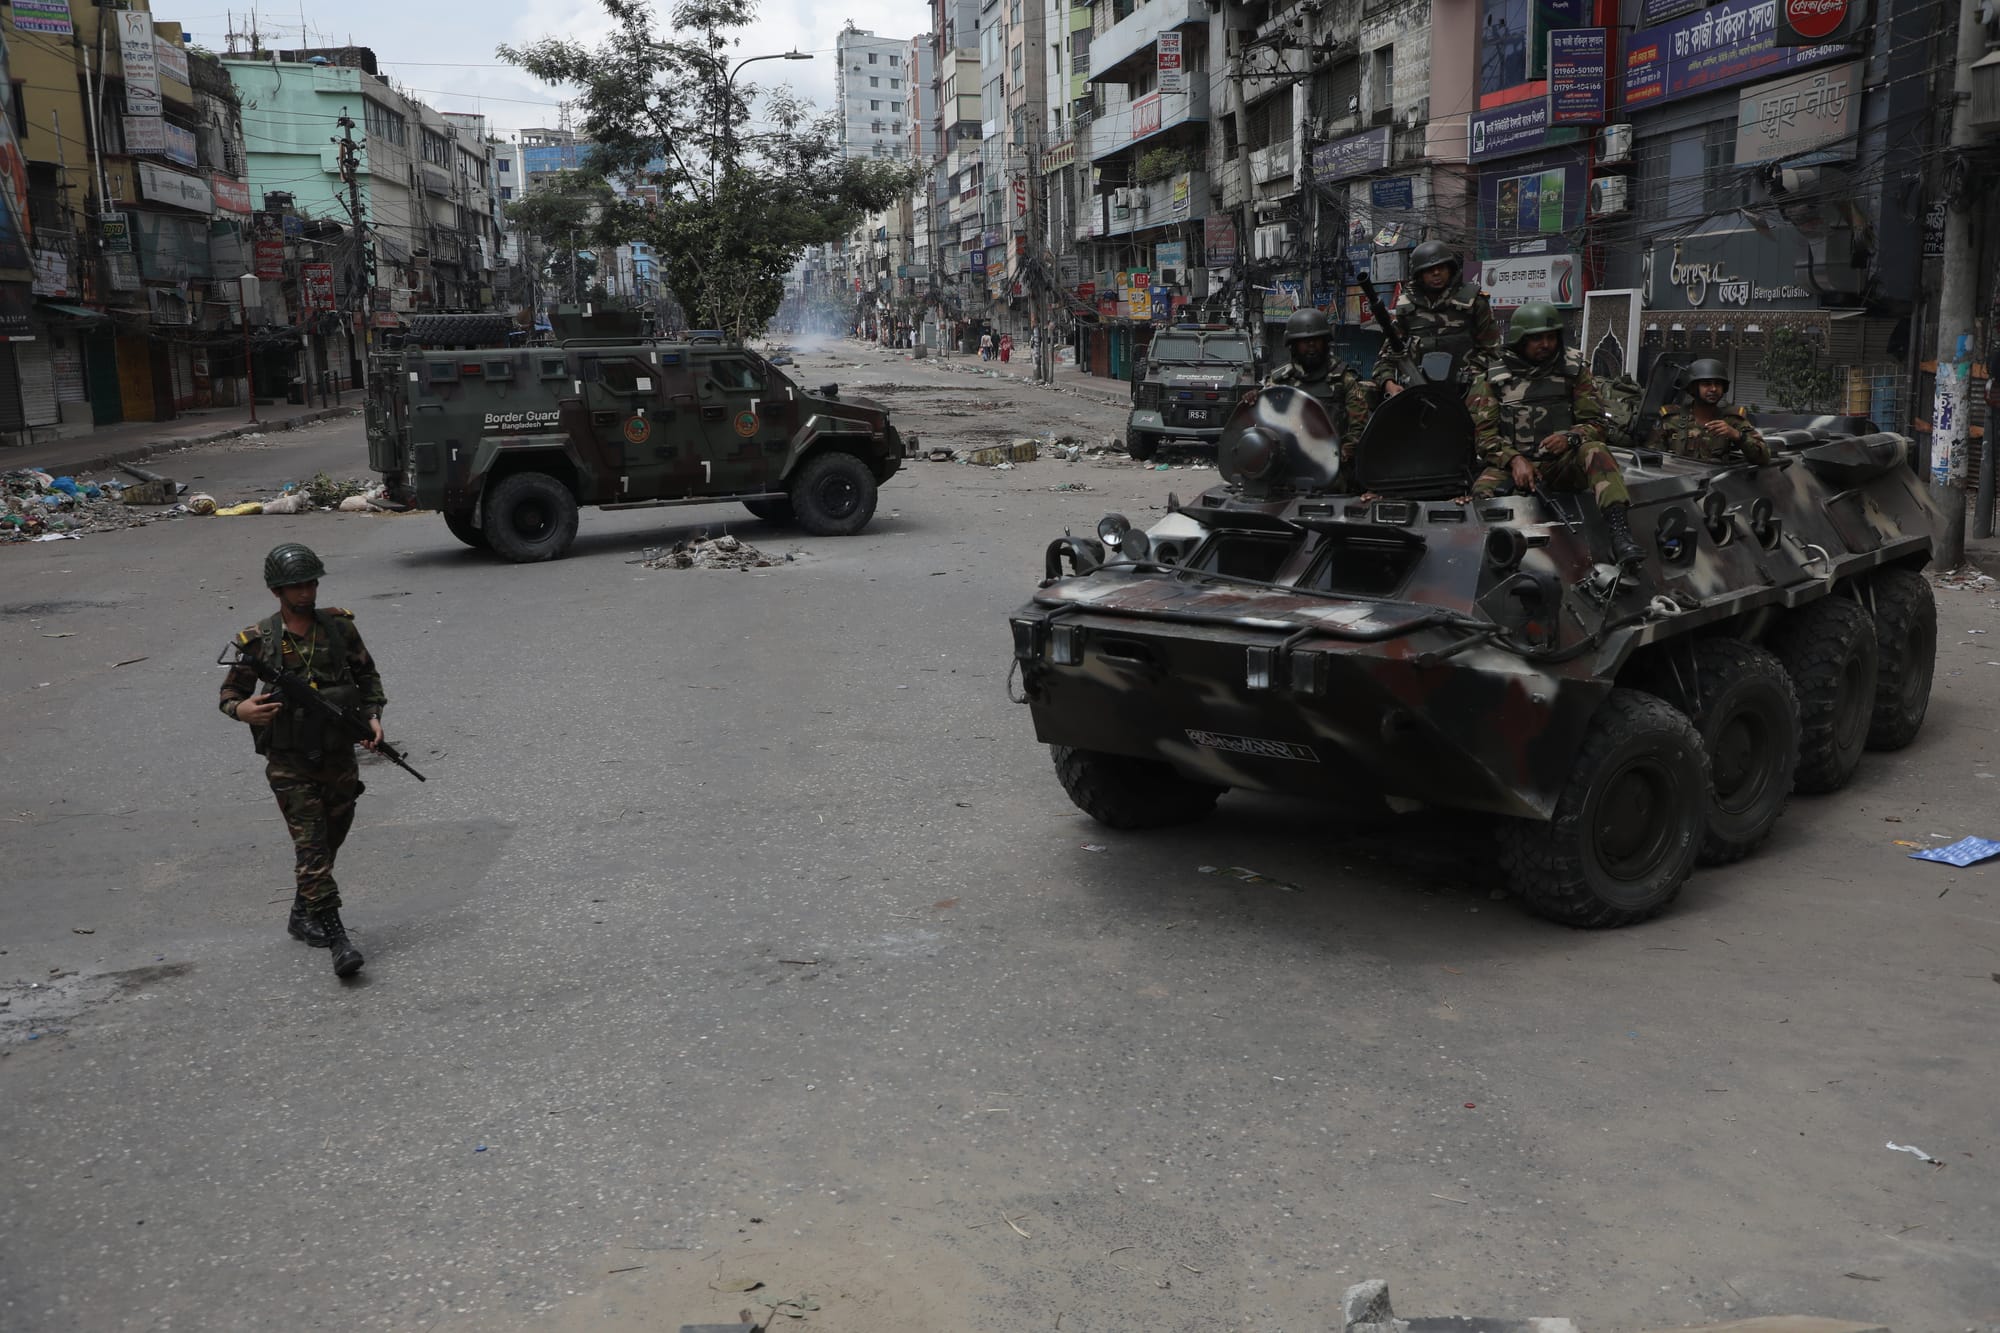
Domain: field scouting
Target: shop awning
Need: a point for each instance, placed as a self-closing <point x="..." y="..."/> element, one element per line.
<point x="69" y="311"/>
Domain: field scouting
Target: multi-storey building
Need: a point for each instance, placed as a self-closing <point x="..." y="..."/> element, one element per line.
<point x="872" y="82"/>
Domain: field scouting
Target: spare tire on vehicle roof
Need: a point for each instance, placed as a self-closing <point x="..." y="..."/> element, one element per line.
<point x="460" y="330"/>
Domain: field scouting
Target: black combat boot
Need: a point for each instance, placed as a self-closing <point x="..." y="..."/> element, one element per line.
<point x="347" y="959"/>
<point x="302" y="926"/>
<point x="1625" y="548"/>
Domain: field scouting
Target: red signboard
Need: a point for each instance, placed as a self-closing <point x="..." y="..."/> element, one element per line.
<point x="1146" y="116"/>
<point x="1815" y="20"/>
<point x="316" y="284"/>
<point x="270" y="257"/>
<point x="230" y="196"/>
<point x="1086" y="290"/>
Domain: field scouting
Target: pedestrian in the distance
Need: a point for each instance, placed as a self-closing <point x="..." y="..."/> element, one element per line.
<point x="986" y="347"/>
<point x="311" y="769"/>
<point x="1006" y="347"/>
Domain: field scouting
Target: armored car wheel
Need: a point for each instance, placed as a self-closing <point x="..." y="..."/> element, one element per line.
<point x="833" y="495"/>
<point x="462" y="528"/>
<point x="530" y="516"/>
<point x="1828" y="648"/>
<point x="1906" y="656"/>
<point x="1122" y="792"/>
<point x="1627" y="825"/>
<point x="772" y="511"/>
<point x="1740" y="700"/>
<point x="1140" y="445"/>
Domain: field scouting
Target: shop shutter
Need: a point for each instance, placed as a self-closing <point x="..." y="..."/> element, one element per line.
<point x="67" y="355"/>
<point x="38" y="382"/>
<point x="10" y="389"/>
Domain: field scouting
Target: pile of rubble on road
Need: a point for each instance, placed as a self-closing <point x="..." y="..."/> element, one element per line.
<point x="723" y="552"/>
<point x="319" y="494"/>
<point x="41" y="507"/>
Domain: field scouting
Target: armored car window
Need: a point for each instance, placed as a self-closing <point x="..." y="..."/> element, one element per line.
<point x="554" y="368"/>
<point x="735" y="372"/>
<point x="626" y="376"/>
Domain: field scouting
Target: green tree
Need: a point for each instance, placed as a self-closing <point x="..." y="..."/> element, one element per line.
<point x="562" y="220"/>
<point x="1799" y="379"/>
<point x="734" y="209"/>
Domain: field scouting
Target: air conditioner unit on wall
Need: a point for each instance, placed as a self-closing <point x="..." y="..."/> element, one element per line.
<point x="1615" y="145"/>
<point x="1609" y="196"/>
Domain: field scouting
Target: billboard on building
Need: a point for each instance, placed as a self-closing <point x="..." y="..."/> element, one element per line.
<point x="141" y="55"/>
<point x="1526" y="206"/>
<point x="1807" y="118"/>
<point x="1510" y="283"/>
<point x="1169" y="69"/>
<point x="1579" y="75"/>
<point x="46" y="16"/>
<point x="1718" y="47"/>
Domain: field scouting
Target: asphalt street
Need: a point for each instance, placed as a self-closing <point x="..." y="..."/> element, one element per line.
<point x="743" y="934"/>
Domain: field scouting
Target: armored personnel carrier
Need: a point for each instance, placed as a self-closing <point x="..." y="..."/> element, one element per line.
<point x="508" y="441"/>
<point x="1404" y="642"/>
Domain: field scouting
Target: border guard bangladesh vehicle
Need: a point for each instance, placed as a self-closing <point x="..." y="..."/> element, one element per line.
<point x="1408" y="643"/>
<point x="508" y="442"/>
<point x="1192" y="378"/>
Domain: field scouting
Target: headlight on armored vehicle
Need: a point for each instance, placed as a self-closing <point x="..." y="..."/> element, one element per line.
<point x="1027" y="639"/>
<point x="1111" y="530"/>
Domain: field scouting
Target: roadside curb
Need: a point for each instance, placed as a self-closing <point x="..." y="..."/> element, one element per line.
<point x="135" y="452"/>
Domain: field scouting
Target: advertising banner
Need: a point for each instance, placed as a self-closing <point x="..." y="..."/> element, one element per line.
<point x="1527" y="205"/>
<point x="1514" y="282"/>
<point x="1139" y="301"/>
<point x="1398" y="192"/>
<point x="1810" y="22"/>
<point x="174" y="187"/>
<point x="1579" y="76"/>
<point x="49" y="16"/>
<point x="1652" y="12"/>
<point x="178" y="144"/>
<point x="1718" y="47"/>
<point x="1355" y="155"/>
<point x="51" y="273"/>
<point x="1170" y="69"/>
<point x="1180" y="200"/>
<point x="114" y="234"/>
<point x="1146" y="115"/>
<point x="1171" y="254"/>
<point x="142" y="63"/>
<point x="316" y="287"/>
<point x="230" y="196"/>
<point x="1218" y="240"/>
<point x="1794" y="118"/>
<point x="1522" y="127"/>
<point x="1545" y="18"/>
<point x="1727" y="269"/>
<point x="145" y="134"/>
<point x="173" y="59"/>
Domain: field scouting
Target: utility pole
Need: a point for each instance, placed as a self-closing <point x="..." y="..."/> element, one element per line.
<point x="1952" y="406"/>
<point x="350" y="172"/>
<point x="1252" y="319"/>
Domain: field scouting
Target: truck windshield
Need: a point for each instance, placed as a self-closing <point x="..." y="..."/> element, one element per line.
<point x="1189" y="349"/>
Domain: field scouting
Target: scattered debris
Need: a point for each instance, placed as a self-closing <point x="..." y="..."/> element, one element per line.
<point x="724" y="552"/>
<point x="737" y="1284"/>
<point x="1964" y="852"/>
<point x="201" y="503"/>
<point x="1248" y="876"/>
<point x="1967" y="578"/>
<point x="35" y="506"/>
<point x="1915" y="1152"/>
<point x="1071" y="486"/>
<point x="1020" y="451"/>
<point x="792" y="1307"/>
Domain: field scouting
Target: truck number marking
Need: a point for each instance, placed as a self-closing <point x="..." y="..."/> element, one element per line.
<point x="704" y="469"/>
<point x="413" y="377"/>
<point x="1253" y="745"/>
<point x="625" y="484"/>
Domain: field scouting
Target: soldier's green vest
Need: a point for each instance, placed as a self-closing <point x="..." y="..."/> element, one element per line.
<point x="1534" y="406"/>
<point x="1448" y="324"/>
<point x="1329" y="387"/>
<point x="293" y="730"/>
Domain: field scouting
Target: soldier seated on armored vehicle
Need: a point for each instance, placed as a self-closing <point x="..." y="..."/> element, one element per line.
<point x="1438" y="313"/>
<point x="1540" y="425"/>
<point x="1706" y="427"/>
<point x="1347" y="398"/>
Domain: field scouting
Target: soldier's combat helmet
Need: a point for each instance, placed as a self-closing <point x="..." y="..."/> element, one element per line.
<point x="1304" y="326"/>
<point x="1432" y="253"/>
<point x="1530" y="318"/>
<point x="291" y="562"/>
<point x="1708" y="368"/>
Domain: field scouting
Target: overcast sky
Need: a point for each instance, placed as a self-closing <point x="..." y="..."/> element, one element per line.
<point x="442" y="50"/>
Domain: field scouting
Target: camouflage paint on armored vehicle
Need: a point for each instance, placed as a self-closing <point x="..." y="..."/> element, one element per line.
<point x="1407" y="643"/>
<point x="507" y="442"/>
<point x="1190" y="382"/>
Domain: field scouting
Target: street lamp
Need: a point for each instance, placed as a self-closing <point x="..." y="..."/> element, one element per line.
<point x="729" y="87"/>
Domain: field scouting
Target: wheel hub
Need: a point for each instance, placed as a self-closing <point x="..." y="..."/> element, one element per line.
<point x="1630" y="832"/>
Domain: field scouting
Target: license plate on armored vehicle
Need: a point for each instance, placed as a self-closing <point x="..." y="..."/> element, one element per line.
<point x="1197" y="415"/>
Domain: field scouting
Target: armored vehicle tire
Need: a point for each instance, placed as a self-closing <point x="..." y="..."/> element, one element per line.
<point x="772" y="511"/>
<point x="530" y="516"/>
<point x="1140" y="445"/>
<point x="1748" y="718"/>
<point x="1627" y="825"/>
<point x="1906" y="656"/>
<point x="1828" y="648"/>
<point x="833" y="495"/>
<point x="1122" y="792"/>
<point x="462" y="528"/>
<point x="460" y="330"/>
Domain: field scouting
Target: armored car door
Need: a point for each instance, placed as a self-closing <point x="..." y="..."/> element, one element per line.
<point x="740" y="419"/>
<point x="631" y="426"/>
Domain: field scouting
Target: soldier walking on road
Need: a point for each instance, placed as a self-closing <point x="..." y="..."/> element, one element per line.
<point x="1706" y="427"/>
<point x="1438" y="313"/>
<point x="1540" y="424"/>
<point x="311" y="770"/>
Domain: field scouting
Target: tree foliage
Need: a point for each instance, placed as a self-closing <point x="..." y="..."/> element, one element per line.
<point x="729" y="211"/>
<point x="1797" y="375"/>
<point x="563" y="220"/>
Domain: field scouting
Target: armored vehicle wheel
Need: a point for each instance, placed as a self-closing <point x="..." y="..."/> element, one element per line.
<point x="530" y="516"/>
<point x="833" y="495"/>
<point x="461" y="528"/>
<point x="1906" y="655"/>
<point x="1122" y="792"/>
<point x="1627" y="825"/>
<point x="460" y="330"/>
<point x="1743" y="706"/>
<point x="1141" y="445"/>
<point x="1828" y="648"/>
<point x="772" y="511"/>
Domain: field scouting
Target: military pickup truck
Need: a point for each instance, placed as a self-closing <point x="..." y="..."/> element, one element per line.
<point x="507" y="442"/>
<point x="1187" y="387"/>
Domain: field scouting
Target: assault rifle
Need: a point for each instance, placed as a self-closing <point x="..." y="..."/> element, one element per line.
<point x="1410" y="371"/>
<point x="294" y="689"/>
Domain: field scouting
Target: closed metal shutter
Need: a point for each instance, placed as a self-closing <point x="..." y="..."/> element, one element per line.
<point x="67" y="356"/>
<point x="38" y="382"/>
<point x="10" y="389"/>
<point x="1746" y="380"/>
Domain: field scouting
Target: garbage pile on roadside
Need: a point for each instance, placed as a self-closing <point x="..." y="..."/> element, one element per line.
<point x="321" y="493"/>
<point x="41" y="507"/>
<point x="723" y="552"/>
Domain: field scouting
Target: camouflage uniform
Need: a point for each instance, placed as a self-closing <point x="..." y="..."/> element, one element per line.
<point x="1517" y="403"/>
<point x="1458" y="319"/>
<point x="1347" y="398"/>
<point x="313" y="774"/>
<point x="1678" y="432"/>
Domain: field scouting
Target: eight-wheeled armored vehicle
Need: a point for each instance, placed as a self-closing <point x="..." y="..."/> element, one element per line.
<point x="507" y="442"/>
<point x="1191" y="379"/>
<point x="1407" y="642"/>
